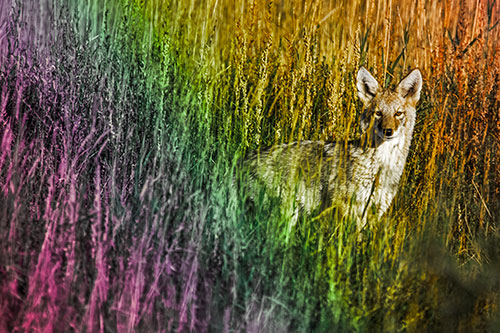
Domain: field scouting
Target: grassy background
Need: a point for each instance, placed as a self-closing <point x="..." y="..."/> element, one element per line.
<point x="121" y="126"/>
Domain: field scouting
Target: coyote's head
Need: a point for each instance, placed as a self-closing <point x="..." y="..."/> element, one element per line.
<point x="387" y="113"/>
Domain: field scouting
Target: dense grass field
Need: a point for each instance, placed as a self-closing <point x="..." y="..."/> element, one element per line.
<point x="122" y="123"/>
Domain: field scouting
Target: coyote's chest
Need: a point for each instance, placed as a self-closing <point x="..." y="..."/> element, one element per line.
<point x="374" y="175"/>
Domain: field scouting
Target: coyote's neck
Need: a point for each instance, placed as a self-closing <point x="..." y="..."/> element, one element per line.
<point x="392" y="154"/>
<point x="378" y="171"/>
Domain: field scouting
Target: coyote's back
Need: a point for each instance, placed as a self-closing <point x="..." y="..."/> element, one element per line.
<point x="359" y="174"/>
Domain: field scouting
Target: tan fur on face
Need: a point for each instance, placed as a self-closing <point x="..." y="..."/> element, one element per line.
<point x="389" y="109"/>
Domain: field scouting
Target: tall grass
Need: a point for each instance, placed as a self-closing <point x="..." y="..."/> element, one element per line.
<point x="122" y="126"/>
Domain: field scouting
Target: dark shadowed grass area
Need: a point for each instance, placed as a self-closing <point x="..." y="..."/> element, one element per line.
<point x="122" y="207"/>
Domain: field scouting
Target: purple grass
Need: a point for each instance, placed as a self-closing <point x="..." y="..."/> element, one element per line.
<point x="97" y="228"/>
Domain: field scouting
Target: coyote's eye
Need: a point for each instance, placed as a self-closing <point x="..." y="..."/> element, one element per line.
<point x="398" y="114"/>
<point x="378" y="114"/>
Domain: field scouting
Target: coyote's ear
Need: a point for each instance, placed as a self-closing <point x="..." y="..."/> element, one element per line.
<point x="409" y="88"/>
<point x="367" y="86"/>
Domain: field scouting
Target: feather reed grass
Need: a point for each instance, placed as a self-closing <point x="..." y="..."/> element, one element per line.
<point x="122" y="123"/>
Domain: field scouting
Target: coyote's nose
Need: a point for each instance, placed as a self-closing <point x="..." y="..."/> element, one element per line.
<point x="388" y="131"/>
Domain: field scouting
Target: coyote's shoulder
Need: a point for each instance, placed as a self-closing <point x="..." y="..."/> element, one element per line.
<point x="361" y="173"/>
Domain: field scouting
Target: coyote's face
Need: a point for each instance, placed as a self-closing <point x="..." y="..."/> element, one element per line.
<point x="388" y="113"/>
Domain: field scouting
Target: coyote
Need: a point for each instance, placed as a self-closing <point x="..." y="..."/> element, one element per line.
<point x="359" y="175"/>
